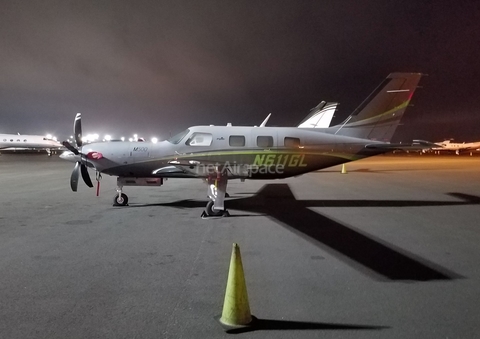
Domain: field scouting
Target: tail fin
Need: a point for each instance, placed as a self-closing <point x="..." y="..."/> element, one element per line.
<point x="320" y="116"/>
<point x="378" y="116"/>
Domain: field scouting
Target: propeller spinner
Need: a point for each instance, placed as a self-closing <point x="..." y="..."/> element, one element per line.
<point x="80" y="167"/>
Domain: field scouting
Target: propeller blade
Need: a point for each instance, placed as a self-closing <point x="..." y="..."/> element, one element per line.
<point x="70" y="147"/>
<point x="77" y="129"/>
<point x="74" y="177"/>
<point x="85" y="175"/>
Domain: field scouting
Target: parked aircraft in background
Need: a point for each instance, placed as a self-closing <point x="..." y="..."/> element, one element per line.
<point x="28" y="142"/>
<point x="320" y="116"/>
<point x="219" y="153"/>
<point x="449" y="146"/>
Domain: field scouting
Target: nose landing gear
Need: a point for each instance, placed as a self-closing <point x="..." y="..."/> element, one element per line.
<point x="120" y="200"/>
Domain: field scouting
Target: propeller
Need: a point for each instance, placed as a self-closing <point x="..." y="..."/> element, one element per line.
<point x="80" y="166"/>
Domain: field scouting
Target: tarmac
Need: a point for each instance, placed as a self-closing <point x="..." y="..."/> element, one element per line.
<point x="388" y="250"/>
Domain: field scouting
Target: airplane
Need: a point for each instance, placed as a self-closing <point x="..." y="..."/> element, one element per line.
<point x="217" y="154"/>
<point x="447" y="145"/>
<point x="38" y="142"/>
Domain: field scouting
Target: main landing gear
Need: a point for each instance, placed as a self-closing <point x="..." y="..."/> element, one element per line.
<point x="216" y="191"/>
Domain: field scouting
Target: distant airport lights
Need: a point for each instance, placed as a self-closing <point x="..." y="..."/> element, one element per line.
<point x="51" y="137"/>
<point x="90" y="137"/>
<point x="108" y="137"/>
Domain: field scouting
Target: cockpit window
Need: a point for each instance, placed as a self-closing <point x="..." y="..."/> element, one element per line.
<point x="200" y="139"/>
<point x="178" y="137"/>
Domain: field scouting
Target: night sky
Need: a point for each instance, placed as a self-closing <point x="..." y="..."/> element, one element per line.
<point x="157" y="67"/>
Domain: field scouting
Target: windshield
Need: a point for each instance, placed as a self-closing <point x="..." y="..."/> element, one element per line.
<point x="177" y="137"/>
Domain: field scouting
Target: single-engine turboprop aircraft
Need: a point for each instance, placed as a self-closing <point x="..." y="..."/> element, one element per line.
<point x="220" y="153"/>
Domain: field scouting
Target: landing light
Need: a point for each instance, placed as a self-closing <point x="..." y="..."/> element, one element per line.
<point x="154" y="140"/>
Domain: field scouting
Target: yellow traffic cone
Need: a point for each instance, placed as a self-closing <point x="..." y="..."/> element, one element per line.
<point x="236" y="310"/>
<point x="344" y="170"/>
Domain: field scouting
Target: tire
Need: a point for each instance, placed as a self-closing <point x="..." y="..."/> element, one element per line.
<point x="211" y="212"/>
<point x="121" y="200"/>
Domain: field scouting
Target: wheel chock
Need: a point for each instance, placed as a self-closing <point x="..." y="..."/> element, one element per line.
<point x="236" y="309"/>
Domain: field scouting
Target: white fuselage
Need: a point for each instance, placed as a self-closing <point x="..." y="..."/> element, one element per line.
<point x="454" y="146"/>
<point x="27" y="141"/>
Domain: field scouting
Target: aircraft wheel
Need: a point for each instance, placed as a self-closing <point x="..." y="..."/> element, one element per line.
<point x="121" y="200"/>
<point x="211" y="212"/>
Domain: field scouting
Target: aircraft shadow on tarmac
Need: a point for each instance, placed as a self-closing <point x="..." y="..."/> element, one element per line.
<point x="372" y="256"/>
<point x="381" y="171"/>
<point x="270" y="324"/>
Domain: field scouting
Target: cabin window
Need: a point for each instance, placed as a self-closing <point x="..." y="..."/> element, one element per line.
<point x="264" y="141"/>
<point x="236" y="140"/>
<point x="24" y="140"/>
<point x="291" y="142"/>
<point x="11" y="139"/>
<point x="200" y="139"/>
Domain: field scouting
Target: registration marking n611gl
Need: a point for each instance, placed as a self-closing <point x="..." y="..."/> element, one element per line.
<point x="287" y="160"/>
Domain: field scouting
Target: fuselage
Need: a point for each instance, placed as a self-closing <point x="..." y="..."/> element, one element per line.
<point x="246" y="152"/>
<point x="27" y="141"/>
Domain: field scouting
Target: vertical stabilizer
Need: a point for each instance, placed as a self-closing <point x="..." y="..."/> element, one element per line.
<point x="378" y="116"/>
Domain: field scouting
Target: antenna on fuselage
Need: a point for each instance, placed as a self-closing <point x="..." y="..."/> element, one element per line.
<point x="265" y="121"/>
